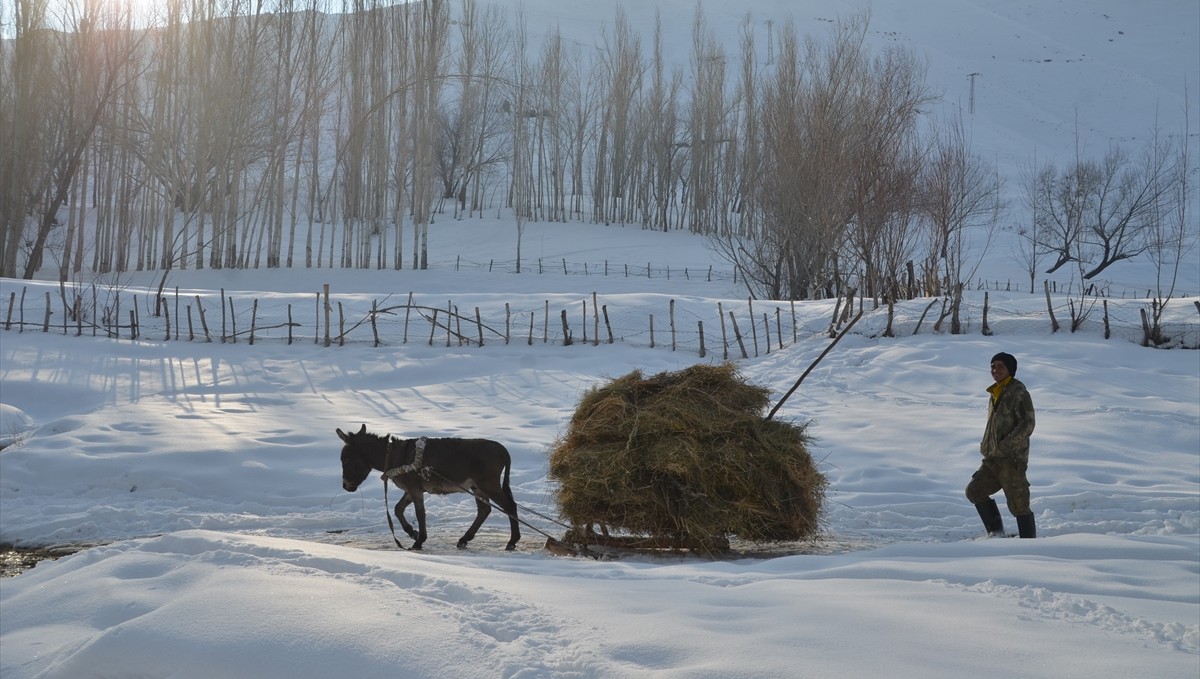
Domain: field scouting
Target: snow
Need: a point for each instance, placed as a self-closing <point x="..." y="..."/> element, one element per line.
<point x="210" y="474"/>
<point x="207" y="474"/>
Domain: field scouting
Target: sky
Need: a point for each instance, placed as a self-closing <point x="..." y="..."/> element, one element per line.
<point x="206" y="474"/>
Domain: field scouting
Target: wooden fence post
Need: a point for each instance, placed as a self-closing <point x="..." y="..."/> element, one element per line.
<point x="1050" y="308"/>
<point x="374" y="315"/>
<point x="767" y="330"/>
<point x="987" y="331"/>
<point x="724" y="334"/>
<point x="203" y="320"/>
<point x="328" y="310"/>
<point x="166" y="310"/>
<point x="232" y="321"/>
<point x="407" y="311"/>
<point x="253" y="320"/>
<point x="672" y="320"/>
<point x="833" y="322"/>
<point x="753" y="327"/>
<point x="567" y="341"/>
<point x="737" y="333"/>
<point x="341" y="325"/>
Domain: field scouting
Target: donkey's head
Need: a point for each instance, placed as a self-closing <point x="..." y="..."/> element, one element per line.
<point x="355" y="467"/>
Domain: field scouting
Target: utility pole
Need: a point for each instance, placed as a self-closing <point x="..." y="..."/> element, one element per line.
<point x="770" y="42"/>
<point x="971" y="104"/>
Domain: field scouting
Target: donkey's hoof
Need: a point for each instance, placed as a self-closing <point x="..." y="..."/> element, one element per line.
<point x="510" y="546"/>
<point x="462" y="544"/>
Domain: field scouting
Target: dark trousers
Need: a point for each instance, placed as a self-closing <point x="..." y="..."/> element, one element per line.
<point x="996" y="474"/>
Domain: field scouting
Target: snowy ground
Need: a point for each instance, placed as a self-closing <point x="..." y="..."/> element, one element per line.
<point x="209" y="471"/>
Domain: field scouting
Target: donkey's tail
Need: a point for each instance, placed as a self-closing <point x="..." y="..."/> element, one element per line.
<point x="504" y="484"/>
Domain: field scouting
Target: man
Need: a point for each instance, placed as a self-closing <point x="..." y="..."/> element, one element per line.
<point x="1005" y="449"/>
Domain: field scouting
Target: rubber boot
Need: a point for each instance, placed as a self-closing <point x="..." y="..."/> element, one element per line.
<point x="990" y="513"/>
<point x="1025" y="526"/>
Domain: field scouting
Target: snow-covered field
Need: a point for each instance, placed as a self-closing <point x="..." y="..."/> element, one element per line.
<point x="212" y="472"/>
<point x="208" y="473"/>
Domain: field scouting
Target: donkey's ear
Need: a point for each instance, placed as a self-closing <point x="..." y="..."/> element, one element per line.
<point x="363" y="430"/>
<point x="343" y="436"/>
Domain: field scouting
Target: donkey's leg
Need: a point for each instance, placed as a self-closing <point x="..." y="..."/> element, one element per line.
<point x="482" y="509"/>
<point x="509" y="504"/>
<point x="403" y="504"/>
<point x="502" y="496"/>
<point x="419" y="507"/>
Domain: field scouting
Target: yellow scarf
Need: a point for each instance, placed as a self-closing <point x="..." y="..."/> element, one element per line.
<point x="998" y="388"/>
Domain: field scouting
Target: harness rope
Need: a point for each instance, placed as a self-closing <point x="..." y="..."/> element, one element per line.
<point x="418" y="466"/>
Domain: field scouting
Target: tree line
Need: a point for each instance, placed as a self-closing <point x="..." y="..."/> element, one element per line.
<point x="317" y="133"/>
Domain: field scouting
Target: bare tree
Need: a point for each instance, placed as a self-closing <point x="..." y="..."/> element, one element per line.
<point x="25" y="134"/>
<point x="89" y="65"/>
<point x="471" y="126"/>
<point x="521" y="158"/>
<point x="960" y="200"/>
<point x="622" y="69"/>
<point x="1094" y="212"/>
<point x="1172" y="232"/>
<point x="428" y="52"/>
<point x="885" y="163"/>
<point x="660" y="119"/>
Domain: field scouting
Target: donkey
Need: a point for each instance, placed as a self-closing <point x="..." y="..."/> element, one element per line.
<point x="440" y="466"/>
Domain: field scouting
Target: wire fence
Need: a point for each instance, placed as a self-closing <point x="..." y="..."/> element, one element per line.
<point x="730" y="275"/>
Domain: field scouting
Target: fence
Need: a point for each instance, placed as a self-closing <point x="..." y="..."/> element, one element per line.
<point x="730" y="329"/>
<point x="712" y="274"/>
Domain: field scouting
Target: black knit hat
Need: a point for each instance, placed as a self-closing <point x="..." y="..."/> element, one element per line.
<point x="1009" y="361"/>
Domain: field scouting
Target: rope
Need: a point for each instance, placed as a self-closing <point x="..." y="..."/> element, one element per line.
<point x="386" y="506"/>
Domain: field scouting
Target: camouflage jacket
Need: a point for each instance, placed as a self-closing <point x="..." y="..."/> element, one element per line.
<point x="1009" y="425"/>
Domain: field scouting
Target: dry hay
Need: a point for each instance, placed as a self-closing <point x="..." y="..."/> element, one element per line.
<point x="687" y="457"/>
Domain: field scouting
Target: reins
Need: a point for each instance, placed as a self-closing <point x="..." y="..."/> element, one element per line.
<point x="386" y="456"/>
<point x="418" y="465"/>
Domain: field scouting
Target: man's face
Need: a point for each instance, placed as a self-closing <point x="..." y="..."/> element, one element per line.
<point x="999" y="371"/>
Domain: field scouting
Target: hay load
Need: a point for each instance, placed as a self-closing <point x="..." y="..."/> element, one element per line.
<point x="687" y="460"/>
